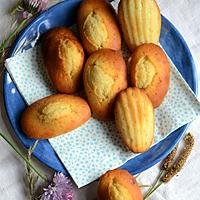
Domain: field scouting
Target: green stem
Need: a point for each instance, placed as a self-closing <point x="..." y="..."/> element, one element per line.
<point x="12" y="35"/>
<point x="137" y="175"/>
<point x="155" y="183"/>
<point x="16" y="7"/>
<point x="43" y="177"/>
<point x="152" y="191"/>
<point x="142" y="186"/>
<point x="32" y="148"/>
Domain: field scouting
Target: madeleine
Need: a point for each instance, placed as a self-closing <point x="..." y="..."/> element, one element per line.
<point x="54" y="115"/>
<point x="104" y="76"/>
<point x="140" y="22"/>
<point x="63" y="58"/>
<point x="134" y="117"/>
<point x="118" y="184"/>
<point x="150" y="71"/>
<point x="97" y="26"/>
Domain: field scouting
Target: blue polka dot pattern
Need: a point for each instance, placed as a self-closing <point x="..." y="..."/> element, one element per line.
<point x="29" y="74"/>
<point x="95" y="147"/>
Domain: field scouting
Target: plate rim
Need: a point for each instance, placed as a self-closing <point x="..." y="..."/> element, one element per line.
<point x="184" y="128"/>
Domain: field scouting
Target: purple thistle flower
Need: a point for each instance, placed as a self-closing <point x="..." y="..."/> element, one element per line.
<point x="59" y="189"/>
<point x="31" y="7"/>
<point x="39" y="5"/>
<point x="42" y="5"/>
<point x="28" y="8"/>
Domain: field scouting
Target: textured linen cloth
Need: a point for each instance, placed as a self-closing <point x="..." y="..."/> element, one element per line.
<point x="185" y="17"/>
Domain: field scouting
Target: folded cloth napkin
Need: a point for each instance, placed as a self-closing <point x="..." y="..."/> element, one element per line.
<point x="90" y="150"/>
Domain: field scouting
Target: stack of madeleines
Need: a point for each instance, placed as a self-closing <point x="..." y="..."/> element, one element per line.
<point x="104" y="73"/>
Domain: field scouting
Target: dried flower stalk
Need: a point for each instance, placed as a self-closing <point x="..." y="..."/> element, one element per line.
<point x="31" y="177"/>
<point x="170" y="168"/>
<point x="189" y="140"/>
<point x="166" y="164"/>
<point x="168" y="161"/>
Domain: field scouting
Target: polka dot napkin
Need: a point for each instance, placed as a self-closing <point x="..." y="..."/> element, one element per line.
<point x="95" y="147"/>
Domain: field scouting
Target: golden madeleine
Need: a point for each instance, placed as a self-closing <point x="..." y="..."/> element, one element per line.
<point x="150" y="71"/>
<point x="118" y="184"/>
<point x="104" y="77"/>
<point x="134" y="117"/>
<point x="63" y="57"/>
<point x="97" y="26"/>
<point x="140" y="22"/>
<point x="54" y="115"/>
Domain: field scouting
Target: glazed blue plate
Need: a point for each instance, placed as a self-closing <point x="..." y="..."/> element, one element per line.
<point x="64" y="14"/>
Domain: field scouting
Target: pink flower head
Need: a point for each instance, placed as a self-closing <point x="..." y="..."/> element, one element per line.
<point x="59" y="189"/>
<point x="26" y="15"/>
<point x="35" y="5"/>
<point x="42" y="6"/>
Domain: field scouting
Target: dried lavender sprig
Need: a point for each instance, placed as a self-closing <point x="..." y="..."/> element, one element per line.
<point x="189" y="139"/>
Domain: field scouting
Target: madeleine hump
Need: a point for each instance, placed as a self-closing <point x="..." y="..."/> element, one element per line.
<point x="150" y="71"/>
<point x="98" y="26"/>
<point x="140" y="22"/>
<point x="134" y="117"/>
<point x="54" y="115"/>
<point x="118" y="184"/>
<point x="63" y="57"/>
<point x="104" y="76"/>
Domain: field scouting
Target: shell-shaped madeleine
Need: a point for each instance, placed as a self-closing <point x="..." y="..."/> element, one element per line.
<point x="140" y="21"/>
<point x="134" y="116"/>
<point x="54" y="115"/>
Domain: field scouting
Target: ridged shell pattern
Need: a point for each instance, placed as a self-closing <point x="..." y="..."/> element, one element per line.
<point x="140" y="21"/>
<point x="135" y="119"/>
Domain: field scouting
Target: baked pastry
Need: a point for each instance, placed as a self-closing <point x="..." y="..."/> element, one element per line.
<point x="104" y="76"/>
<point x="97" y="26"/>
<point x="63" y="57"/>
<point x="140" y="22"/>
<point x="118" y="184"/>
<point x="150" y="71"/>
<point x="54" y="115"/>
<point x="134" y="117"/>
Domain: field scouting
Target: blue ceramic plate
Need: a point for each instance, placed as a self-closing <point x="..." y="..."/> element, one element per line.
<point x="64" y="14"/>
